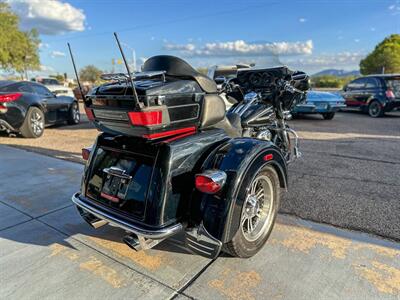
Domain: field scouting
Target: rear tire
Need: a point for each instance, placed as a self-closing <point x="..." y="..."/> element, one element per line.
<point x="33" y="126"/>
<point x="375" y="109"/>
<point x="74" y="117"/>
<point x="258" y="214"/>
<point x="328" y="116"/>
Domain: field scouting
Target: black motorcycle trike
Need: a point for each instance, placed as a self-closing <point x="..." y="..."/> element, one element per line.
<point x="170" y="158"/>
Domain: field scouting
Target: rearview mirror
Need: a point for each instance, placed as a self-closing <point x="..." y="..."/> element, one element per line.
<point x="298" y="76"/>
<point x="220" y="80"/>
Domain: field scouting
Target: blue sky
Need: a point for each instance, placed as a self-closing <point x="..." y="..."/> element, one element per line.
<point x="308" y="35"/>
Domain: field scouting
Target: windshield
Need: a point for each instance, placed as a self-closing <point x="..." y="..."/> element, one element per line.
<point x="47" y="81"/>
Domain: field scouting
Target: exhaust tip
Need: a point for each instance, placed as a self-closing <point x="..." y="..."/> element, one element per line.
<point x="92" y="220"/>
<point x="132" y="241"/>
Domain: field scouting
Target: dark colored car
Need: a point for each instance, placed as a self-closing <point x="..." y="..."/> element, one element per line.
<point x="324" y="103"/>
<point x="375" y="94"/>
<point x="27" y="107"/>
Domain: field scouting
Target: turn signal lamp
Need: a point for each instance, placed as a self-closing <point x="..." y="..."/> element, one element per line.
<point x="210" y="181"/>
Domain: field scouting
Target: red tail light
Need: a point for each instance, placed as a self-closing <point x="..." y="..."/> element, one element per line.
<point x="158" y="135"/>
<point x="86" y="153"/>
<point x="210" y="181"/>
<point x="89" y="114"/>
<point x="10" y="97"/>
<point x="144" y="118"/>
<point x="390" y="94"/>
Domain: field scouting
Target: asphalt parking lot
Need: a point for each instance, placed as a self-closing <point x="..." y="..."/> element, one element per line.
<point x="348" y="175"/>
<point x="48" y="252"/>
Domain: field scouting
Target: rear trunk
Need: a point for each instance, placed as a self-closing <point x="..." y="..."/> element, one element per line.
<point x="146" y="182"/>
<point x="165" y="106"/>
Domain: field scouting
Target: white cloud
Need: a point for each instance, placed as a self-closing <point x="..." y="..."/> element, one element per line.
<point x="242" y="48"/>
<point x="395" y="8"/>
<point x="55" y="54"/>
<point x="357" y="40"/>
<point x="48" y="16"/>
<point x="176" y="47"/>
<point x="346" y="60"/>
<point x="44" y="68"/>
<point x="44" y="46"/>
<point x="373" y="29"/>
<point x="302" y="20"/>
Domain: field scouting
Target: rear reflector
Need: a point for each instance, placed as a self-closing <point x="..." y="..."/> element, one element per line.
<point x="10" y="97"/>
<point x="390" y="94"/>
<point x="268" y="157"/>
<point x="210" y="182"/>
<point x="86" y="153"/>
<point x="109" y="197"/>
<point x="144" y="118"/>
<point x="3" y="109"/>
<point x="89" y="114"/>
<point x="158" y="135"/>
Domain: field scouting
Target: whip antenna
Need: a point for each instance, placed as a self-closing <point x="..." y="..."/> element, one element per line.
<point x="76" y="72"/>
<point x="135" y="96"/>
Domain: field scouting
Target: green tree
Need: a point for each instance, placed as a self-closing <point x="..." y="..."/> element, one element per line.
<point x="330" y="81"/>
<point x="19" y="51"/>
<point x="90" y="73"/>
<point x="385" y="57"/>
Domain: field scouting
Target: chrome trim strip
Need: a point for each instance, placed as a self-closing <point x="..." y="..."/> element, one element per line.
<point x="151" y="234"/>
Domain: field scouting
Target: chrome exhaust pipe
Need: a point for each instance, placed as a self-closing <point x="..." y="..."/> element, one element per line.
<point x="91" y="219"/>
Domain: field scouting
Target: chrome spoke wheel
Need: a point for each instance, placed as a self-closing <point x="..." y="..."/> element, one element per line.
<point x="258" y="208"/>
<point x="37" y="123"/>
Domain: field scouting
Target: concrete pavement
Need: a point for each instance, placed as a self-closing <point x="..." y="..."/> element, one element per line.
<point x="48" y="252"/>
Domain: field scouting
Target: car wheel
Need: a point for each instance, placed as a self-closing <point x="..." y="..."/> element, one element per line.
<point x="74" y="116"/>
<point x="33" y="126"/>
<point x="258" y="214"/>
<point x="375" y="109"/>
<point x="328" y="116"/>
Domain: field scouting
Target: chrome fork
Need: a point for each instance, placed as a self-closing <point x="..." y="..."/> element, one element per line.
<point x="296" y="151"/>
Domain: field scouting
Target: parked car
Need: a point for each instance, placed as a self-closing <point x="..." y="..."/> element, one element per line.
<point x="324" y="103"/>
<point x="56" y="87"/>
<point x="375" y="94"/>
<point x="27" y="107"/>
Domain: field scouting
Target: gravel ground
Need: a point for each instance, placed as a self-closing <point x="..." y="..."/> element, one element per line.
<point x="348" y="175"/>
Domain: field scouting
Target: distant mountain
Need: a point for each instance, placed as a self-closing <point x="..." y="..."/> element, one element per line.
<point x="338" y="73"/>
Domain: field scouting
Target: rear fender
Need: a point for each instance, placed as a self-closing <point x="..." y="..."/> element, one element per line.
<point x="239" y="159"/>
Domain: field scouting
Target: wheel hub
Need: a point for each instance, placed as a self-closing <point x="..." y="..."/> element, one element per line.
<point x="257" y="209"/>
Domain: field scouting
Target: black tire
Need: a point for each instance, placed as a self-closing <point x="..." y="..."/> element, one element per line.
<point x="74" y="116"/>
<point x="241" y="245"/>
<point x="375" y="109"/>
<point x="33" y="126"/>
<point x="328" y="116"/>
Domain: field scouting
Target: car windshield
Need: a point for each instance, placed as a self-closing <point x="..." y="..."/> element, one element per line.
<point x="47" y="81"/>
<point x="394" y="85"/>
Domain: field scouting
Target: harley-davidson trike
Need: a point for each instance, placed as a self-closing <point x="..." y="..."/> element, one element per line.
<point x="170" y="158"/>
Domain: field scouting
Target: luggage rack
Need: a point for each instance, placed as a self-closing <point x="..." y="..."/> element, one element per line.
<point x="135" y="76"/>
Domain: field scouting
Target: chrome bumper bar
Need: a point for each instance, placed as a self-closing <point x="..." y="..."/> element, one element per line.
<point x="151" y="234"/>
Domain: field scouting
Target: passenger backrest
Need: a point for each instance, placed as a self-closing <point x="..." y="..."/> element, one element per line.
<point x="214" y="110"/>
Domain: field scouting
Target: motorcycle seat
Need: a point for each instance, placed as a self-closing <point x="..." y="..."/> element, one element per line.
<point x="176" y="67"/>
